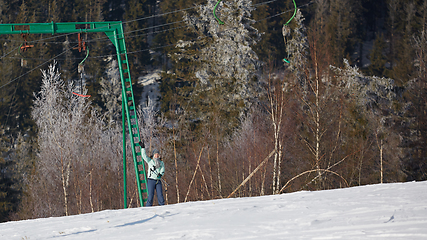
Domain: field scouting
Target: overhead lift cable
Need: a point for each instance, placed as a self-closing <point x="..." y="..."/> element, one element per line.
<point x="129" y="21"/>
<point x="29" y="71"/>
<point x="159" y="31"/>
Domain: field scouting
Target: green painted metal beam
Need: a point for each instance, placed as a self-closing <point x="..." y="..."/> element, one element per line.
<point x="55" y="28"/>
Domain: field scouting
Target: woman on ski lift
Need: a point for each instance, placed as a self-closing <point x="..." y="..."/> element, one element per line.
<point x="156" y="169"/>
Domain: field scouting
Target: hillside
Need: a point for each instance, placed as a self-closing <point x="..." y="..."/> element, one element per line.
<point x="383" y="211"/>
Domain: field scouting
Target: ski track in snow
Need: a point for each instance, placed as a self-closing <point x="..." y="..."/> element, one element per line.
<point x="383" y="211"/>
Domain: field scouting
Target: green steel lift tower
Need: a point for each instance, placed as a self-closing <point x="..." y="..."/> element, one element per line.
<point x="114" y="31"/>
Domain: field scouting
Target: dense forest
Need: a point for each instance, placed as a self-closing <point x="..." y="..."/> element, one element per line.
<point x="258" y="98"/>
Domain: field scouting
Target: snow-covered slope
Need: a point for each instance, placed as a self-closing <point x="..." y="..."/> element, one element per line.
<point x="387" y="211"/>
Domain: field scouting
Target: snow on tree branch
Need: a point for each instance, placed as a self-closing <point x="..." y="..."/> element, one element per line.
<point x="223" y="51"/>
<point x="368" y="91"/>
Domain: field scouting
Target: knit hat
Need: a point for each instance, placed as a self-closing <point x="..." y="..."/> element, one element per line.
<point x="155" y="151"/>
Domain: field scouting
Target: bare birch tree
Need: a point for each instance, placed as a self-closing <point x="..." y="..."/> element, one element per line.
<point x="276" y="96"/>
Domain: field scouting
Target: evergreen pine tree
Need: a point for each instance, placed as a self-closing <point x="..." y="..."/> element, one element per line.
<point x="341" y="28"/>
<point x="9" y="193"/>
<point x="222" y="60"/>
<point x="9" y="196"/>
<point x="378" y="58"/>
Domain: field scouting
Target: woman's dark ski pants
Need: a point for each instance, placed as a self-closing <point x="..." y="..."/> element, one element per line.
<point x="155" y="184"/>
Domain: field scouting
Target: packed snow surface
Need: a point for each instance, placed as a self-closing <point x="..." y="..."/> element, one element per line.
<point x="384" y="211"/>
